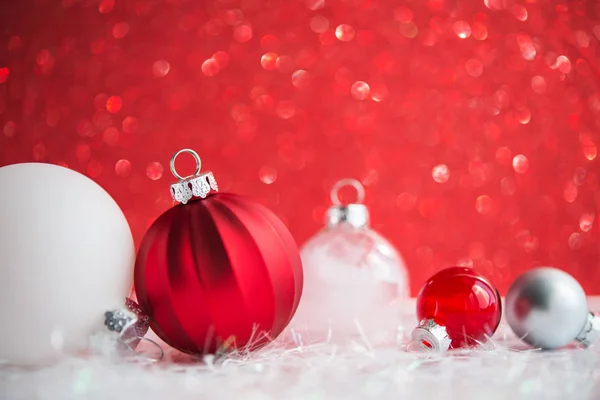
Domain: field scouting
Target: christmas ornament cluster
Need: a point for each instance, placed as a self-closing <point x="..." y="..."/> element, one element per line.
<point x="219" y="272"/>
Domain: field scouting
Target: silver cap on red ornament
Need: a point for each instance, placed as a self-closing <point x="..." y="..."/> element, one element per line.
<point x="196" y="185"/>
<point x="354" y="214"/>
<point x="432" y="335"/>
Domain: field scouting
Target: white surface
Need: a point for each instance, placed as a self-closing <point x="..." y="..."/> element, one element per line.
<point x="66" y="257"/>
<point x="505" y="369"/>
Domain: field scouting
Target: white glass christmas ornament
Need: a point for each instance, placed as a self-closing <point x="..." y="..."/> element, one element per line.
<point x="354" y="279"/>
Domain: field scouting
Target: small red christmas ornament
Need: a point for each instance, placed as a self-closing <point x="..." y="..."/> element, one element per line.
<point x="218" y="273"/>
<point x="457" y="307"/>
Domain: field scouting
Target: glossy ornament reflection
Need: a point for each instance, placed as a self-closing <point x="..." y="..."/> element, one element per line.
<point x="353" y="277"/>
<point x="457" y="307"/>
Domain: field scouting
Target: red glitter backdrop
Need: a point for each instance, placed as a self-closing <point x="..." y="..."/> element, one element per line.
<point x="474" y="125"/>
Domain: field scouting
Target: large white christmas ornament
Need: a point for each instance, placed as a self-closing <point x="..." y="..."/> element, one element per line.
<point x="66" y="257"/>
<point x="353" y="277"/>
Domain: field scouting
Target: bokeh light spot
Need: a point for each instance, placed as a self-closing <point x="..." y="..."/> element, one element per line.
<point x="409" y="30"/>
<point x="474" y="67"/>
<point x="39" y="152"/>
<point x="575" y="241"/>
<point x="538" y="84"/>
<point x="110" y="136"/>
<point x="269" y="61"/>
<point x="284" y="64"/>
<point x="222" y="58"/>
<point x="106" y="6"/>
<point x="440" y="173"/>
<point x="210" y="67"/>
<point x="520" y="164"/>
<point x="570" y="192"/>
<point x="233" y="17"/>
<point x="120" y="29"/>
<point x="301" y="78"/>
<point x="114" y="104"/>
<point x="360" y="90"/>
<point x="10" y="129"/>
<point x="160" y="68"/>
<point x="267" y="174"/>
<point x="315" y="4"/>
<point x="519" y="12"/>
<point x="242" y="33"/>
<point x="285" y="109"/>
<point x="590" y="151"/>
<point x="4" y="72"/>
<point x="523" y="116"/>
<point x="586" y="222"/>
<point x="379" y="92"/>
<point x="495" y="4"/>
<point x="563" y="64"/>
<point x="94" y="169"/>
<point x="155" y="170"/>
<point x="123" y="168"/>
<point x="319" y="24"/>
<point x="479" y="31"/>
<point x="462" y="29"/>
<point x="344" y="32"/>
<point x="484" y="204"/>
<point x="130" y="125"/>
<point x="403" y="14"/>
<point x="406" y="201"/>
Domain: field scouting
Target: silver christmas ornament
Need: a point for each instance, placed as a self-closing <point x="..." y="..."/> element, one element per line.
<point x="547" y="308"/>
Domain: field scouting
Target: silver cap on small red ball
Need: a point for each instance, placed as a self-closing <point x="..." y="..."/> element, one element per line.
<point x="354" y="214"/>
<point x="432" y="335"/>
<point x="196" y="185"/>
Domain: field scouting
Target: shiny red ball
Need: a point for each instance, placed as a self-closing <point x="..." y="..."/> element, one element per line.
<point x="464" y="302"/>
<point x="219" y="273"/>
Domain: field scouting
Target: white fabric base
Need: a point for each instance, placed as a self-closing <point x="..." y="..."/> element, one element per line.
<point x="505" y="370"/>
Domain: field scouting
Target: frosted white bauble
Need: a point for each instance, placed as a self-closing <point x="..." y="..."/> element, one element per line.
<point x="66" y="257"/>
<point x="354" y="280"/>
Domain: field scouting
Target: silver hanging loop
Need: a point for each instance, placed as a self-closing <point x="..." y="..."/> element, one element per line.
<point x="196" y="185"/>
<point x="354" y="214"/>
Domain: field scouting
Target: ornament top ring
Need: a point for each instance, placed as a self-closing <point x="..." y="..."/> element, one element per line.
<point x="360" y="190"/>
<point x="196" y="185"/>
<point x="193" y="154"/>
<point x="355" y="213"/>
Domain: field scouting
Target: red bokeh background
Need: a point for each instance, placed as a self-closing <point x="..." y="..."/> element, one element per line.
<point x="473" y="125"/>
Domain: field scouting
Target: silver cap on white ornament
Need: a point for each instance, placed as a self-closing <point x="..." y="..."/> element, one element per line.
<point x="354" y="214"/>
<point x="547" y="308"/>
<point x="433" y="335"/>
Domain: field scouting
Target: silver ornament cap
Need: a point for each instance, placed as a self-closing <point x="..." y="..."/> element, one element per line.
<point x="547" y="308"/>
<point x="354" y="214"/>
<point x="435" y="335"/>
<point x="196" y="185"/>
<point x="590" y="333"/>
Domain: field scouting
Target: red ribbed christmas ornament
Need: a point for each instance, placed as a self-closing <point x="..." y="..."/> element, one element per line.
<point x="217" y="273"/>
<point x="457" y="307"/>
